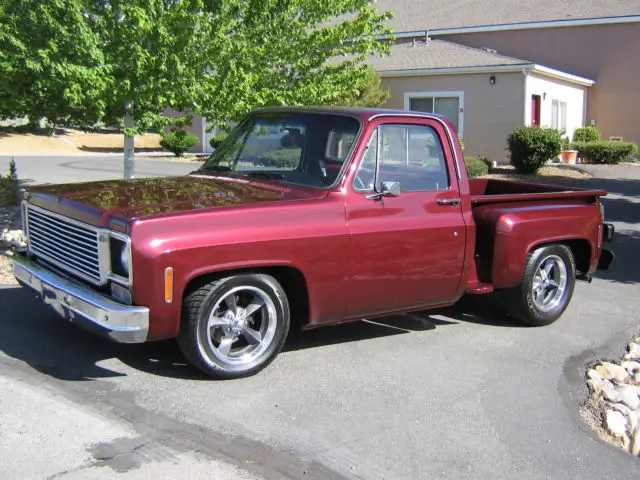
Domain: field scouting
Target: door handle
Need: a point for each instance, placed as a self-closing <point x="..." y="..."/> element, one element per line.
<point x="448" y="201"/>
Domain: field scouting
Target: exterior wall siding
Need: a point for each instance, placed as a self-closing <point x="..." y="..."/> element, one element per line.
<point x="491" y="112"/>
<point x="606" y="53"/>
<point x="549" y="89"/>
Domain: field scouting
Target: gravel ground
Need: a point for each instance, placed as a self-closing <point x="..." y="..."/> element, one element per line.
<point x="9" y="220"/>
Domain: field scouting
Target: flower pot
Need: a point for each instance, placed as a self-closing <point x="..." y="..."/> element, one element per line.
<point x="569" y="156"/>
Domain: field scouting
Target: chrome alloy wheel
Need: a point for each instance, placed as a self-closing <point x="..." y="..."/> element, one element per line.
<point x="549" y="284"/>
<point x="241" y="326"/>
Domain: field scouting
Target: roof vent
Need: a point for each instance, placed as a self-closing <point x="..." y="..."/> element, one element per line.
<point x="490" y="50"/>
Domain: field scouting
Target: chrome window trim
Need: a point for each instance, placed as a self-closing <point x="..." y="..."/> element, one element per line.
<point x="102" y="241"/>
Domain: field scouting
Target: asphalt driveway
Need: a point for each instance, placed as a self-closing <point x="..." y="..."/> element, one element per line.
<point x="459" y="393"/>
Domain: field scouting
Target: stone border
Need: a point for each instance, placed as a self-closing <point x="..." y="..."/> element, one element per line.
<point x="613" y="406"/>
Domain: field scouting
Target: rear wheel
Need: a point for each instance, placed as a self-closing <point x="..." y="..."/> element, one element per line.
<point x="235" y="326"/>
<point x="547" y="286"/>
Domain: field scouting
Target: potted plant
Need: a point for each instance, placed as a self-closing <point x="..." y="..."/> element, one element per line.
<point x="568" y="155"/>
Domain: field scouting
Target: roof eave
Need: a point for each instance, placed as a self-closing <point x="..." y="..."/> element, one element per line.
<point x="578" y="22"/>
<point x="524" y="68"/>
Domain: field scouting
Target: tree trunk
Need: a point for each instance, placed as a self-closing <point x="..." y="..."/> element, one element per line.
<point x="129" y="160"/>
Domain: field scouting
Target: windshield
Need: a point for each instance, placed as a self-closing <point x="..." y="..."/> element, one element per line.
<point x="302" y="148"/>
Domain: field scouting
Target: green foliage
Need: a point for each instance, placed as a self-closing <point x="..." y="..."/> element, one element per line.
<point x="10" y="186"/>
<point x="586" y="134"/>
<point x="217" y="140"/>
<point x="79" y="62"/>
<point x="476" y="167"/>
<point x="288" y="158"/>
<point x="461" y="142"/>
<point x="178" y="141"/>
<point x="369" y="93"/>
<point x="605" y="152"/>
<point x="531" y="147"/>
<point x="13" y="171"/>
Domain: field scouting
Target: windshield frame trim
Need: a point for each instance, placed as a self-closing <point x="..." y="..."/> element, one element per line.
<point x="343" y="167"/>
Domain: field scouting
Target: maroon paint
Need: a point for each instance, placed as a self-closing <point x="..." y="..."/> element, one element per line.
<point x="358" y="256"/>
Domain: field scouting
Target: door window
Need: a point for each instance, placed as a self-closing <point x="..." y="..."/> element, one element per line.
<point x="411" y="155"/>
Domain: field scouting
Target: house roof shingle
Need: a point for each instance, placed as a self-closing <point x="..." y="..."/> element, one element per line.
<point x="416" y="15"/>
<point x="438" y="54"/>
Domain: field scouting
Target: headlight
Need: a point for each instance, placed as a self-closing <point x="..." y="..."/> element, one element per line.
<point x="120" y="256"/>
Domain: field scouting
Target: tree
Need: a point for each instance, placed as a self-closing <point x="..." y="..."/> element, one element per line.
<point x="126" y="62"/>
<point x="370" y="94"/>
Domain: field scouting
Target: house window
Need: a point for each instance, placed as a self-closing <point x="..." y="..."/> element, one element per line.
<point x="447" y="104"/>
<point x="559" y="115"/>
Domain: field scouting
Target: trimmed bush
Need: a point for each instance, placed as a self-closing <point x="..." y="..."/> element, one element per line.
<point x="178" y="141"/>
<point x="586" y="134"/>
<point x="531" y="147"/>
<point x="284" y="158"/>
<point x="217" y="140"/>
<point x="606" y="152"/>
<point x="476" y="167"/>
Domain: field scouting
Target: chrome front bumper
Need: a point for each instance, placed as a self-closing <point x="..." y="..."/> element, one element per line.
<point x="82" y="305"/>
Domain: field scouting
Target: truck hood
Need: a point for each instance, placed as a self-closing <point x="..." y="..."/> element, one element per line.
<point x="99" y="203"/>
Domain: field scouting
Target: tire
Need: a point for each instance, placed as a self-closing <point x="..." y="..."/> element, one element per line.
<point x="234" y="327"/>
<point x="541" y="300"/>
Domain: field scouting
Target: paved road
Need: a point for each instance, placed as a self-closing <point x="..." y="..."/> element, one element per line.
<point x="82" y="168"/>
<point x="461" y="393"/>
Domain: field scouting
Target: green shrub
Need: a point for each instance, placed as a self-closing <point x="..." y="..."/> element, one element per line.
<point x="476" y="167"/>
<point x="606" y="152"/>
<point x="531" y="147"/>
<point x="461" y="142"/>
<point x="10" y="186"/>
<point x="178" y="142"/>
<point x="217" y="140"/>
<point x="586" y="134"/>
<point x="284" y="158"/>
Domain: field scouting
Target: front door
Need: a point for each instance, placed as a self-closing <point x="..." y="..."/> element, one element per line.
<point x="406" y="251"/>
<point x="535" y="110"/>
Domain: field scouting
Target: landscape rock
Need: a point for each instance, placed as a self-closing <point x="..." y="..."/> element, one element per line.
<point x="630" y="366"/>
<point x="629" y="396"/>
<point x="635" y="444"/>
<point x="610" y="371"/>
<point x="611" y="393"/>
<point x="596" y="385"/>
<point x="593" y="375"/>
<point x="616" y="423"/>
<point x="14" y="238"/>
<point x="636" y="377"/>
<point x="632" y="416"/>
<point x="634" y="351"/>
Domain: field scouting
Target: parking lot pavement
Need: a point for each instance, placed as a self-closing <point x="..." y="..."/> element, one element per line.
<point x="458" y="393"/>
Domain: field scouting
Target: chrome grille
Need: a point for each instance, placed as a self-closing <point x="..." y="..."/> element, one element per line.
<point x="68" y="244"/>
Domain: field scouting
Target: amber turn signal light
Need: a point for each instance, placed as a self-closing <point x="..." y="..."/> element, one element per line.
<point x="168" y="284"/>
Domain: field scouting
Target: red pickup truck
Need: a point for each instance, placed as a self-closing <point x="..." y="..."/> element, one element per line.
<point x="304" y="217"/>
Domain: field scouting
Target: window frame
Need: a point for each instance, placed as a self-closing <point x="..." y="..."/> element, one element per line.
<point x="379" y="149"/>
<point x="408" y="96"/>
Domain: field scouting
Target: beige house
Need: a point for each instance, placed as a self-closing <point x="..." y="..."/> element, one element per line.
<point x="492" y="67"/>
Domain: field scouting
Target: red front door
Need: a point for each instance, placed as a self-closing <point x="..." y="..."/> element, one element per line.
<point x="535" y="110"/>
<point x="406" y="251"/>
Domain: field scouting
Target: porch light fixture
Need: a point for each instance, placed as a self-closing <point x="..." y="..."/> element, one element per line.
<point x="492" y="80"/>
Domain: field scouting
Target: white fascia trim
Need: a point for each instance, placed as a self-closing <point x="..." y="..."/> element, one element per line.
<point x="456" y="70"/>
<point x="524" y="68"/>
<point x="550" y="72"/>
<point x="520" y="26"/>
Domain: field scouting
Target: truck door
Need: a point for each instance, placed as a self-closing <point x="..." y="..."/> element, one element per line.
<point x="407" y="251"/>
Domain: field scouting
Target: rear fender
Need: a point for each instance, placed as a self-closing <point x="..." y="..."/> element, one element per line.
<point x="518" y="231"/>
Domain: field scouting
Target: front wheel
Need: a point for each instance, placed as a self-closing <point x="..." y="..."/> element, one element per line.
<point x="235" y="326"/>
<point x="547" y="286"/>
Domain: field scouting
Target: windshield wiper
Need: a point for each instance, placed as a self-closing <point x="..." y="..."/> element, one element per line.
<point x="265" y="175"/>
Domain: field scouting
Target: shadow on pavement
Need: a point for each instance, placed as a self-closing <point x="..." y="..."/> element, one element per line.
<point x="31" y="332"/>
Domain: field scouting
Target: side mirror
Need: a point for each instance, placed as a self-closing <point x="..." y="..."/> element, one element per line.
<point x="388" y="189"/>
<point x="391" y="189"/>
